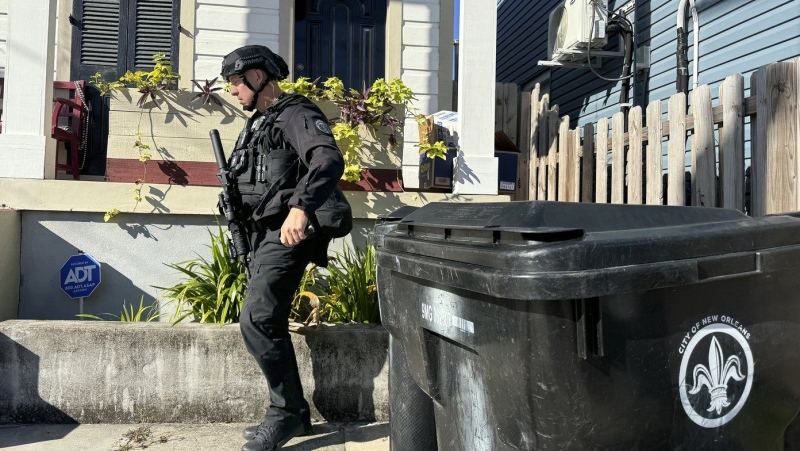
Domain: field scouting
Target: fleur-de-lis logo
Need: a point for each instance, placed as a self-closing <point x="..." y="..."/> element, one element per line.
<point x="715" y="376"/>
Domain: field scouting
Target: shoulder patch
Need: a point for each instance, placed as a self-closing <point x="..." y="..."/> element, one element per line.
<point x="322" y="127"/>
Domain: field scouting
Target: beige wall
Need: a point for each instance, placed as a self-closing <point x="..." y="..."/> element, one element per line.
<point x="99" y="197"/>
<point x="63" y="41"/>
<point x="9" y="263"/>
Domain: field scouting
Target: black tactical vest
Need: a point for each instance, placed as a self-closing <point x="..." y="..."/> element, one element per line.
<point x="259" y="163"/>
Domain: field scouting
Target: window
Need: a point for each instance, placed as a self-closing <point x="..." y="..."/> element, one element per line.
<point x="113" y="36"/>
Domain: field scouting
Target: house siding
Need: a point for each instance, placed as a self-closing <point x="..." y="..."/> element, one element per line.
<point x="420" y="72"/>
<point x="522" y="39"/>
<point x="223" y="25"/>
<point x="3" y="34"/>
<point x="735" y="37"/>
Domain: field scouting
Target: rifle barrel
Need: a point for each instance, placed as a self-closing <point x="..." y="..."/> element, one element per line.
<point x="219" y="154"/>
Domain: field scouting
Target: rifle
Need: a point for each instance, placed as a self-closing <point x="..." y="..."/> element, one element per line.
<point x="230" y="203"/>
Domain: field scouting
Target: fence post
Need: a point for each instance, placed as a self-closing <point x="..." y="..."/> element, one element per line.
<point x="704" y="169"/>
<point x="552" y="153"/>
<point x="601" y="168"/>
<point x="655" y="190"/>
<point x="511" y="112"/>
<point x="574" y="186"/>
<point x="564" y="147"/>
<point x="618" y="158"/>
<point x="523" y="144"/>
<point x="635" y="155"/>
<point x="544" y="147"/>
<point x="731" y="143"/>
<point x="587" y="167"/>
<point x="532" y="168"/>
<point x="774" y="158"/>
<point x="676" y="177"/>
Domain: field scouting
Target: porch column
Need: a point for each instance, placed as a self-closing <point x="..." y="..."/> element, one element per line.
<point x="476" y="165"/>
<point x="26" y="149"/>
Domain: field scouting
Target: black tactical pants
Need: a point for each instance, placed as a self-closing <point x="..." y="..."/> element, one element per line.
<point x="275" y="273"/>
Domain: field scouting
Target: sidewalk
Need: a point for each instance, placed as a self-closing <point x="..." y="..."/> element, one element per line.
<point x="182" y="437"/>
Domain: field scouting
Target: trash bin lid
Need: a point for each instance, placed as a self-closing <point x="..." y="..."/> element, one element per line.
<point x="586" y="249"/>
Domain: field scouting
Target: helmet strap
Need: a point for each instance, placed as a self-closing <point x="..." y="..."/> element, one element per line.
<point x="252" y="105"/>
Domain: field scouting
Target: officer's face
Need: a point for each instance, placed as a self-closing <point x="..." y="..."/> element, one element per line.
<point x="240" y="90"/>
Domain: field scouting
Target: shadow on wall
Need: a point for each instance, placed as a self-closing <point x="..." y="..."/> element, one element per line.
<point x="350" y="396"/>
<point x="19" y="395"/>
<point x="131" y="250"/>
<point x="42" y="298"/>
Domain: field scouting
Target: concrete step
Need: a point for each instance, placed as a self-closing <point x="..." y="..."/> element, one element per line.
<point x="183" y="437"/>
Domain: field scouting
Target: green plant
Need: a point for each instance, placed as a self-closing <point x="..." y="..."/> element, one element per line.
<point x="303" y="86"/>
<point x="149" y="83"/>
<point x="160" y="78"/>
<point x="145" y="313"/>
<point x="372" y="107"/>
<point x="213" y="290"/>
<point x="437" y="149"/>
<point x="351" y="290"/>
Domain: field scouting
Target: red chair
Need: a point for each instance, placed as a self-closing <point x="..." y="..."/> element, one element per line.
<point x="70" y="131"/>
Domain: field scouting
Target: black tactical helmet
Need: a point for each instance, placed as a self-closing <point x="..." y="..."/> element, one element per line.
<point x="254" y="57"/>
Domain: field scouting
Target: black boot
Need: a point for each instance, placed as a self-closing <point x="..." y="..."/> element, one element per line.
<point x="271" y="438"/>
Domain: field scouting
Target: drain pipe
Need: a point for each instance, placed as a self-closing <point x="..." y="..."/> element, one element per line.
<point x="682" y="76"/>
<point x="624" y="93"/>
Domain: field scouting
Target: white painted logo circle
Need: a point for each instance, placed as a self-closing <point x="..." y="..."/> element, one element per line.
<point x="716" y="373"/>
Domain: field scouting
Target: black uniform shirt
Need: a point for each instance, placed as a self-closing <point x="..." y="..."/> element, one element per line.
<point x="298" y="125"/>
<point x="302" y="126"/>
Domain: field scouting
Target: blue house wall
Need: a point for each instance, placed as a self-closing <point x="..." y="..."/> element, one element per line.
<point x="736" y="36"/>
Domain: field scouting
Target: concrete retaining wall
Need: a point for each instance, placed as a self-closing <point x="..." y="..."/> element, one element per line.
<point x="110" y="372"/>
<point x="9" y="263"/>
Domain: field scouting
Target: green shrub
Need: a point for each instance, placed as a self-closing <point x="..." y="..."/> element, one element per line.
<point x="145" y="313"/>
<point x="351" y="291"/>
<point x="213" y="290"/>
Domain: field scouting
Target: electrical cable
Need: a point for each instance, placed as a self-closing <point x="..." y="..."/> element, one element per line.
<point x="589" y="48"/>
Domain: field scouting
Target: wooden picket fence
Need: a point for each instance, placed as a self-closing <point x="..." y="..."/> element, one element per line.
<point x="562" y="164"/>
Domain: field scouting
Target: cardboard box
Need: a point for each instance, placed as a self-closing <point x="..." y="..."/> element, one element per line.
<point x="507" y="163"/>
<point x="436" y="173"/>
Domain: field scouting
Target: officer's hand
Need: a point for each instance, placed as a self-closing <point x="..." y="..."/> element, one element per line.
<point x="293" y="228"/>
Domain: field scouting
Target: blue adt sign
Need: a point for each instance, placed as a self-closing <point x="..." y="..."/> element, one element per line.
<point x="80" y="275"/>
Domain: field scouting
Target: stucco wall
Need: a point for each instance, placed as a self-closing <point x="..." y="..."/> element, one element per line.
<point x="132" y="249"/>
<point x="9" y="263"/>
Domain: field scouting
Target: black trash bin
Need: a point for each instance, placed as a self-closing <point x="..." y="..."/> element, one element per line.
<point x="544" y="325"/>
<point x="411" y="418"/>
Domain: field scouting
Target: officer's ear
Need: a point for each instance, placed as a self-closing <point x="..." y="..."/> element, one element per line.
<point x="261" y="76"/>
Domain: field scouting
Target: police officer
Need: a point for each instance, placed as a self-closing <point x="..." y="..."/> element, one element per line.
<point x="287" y="165"/>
